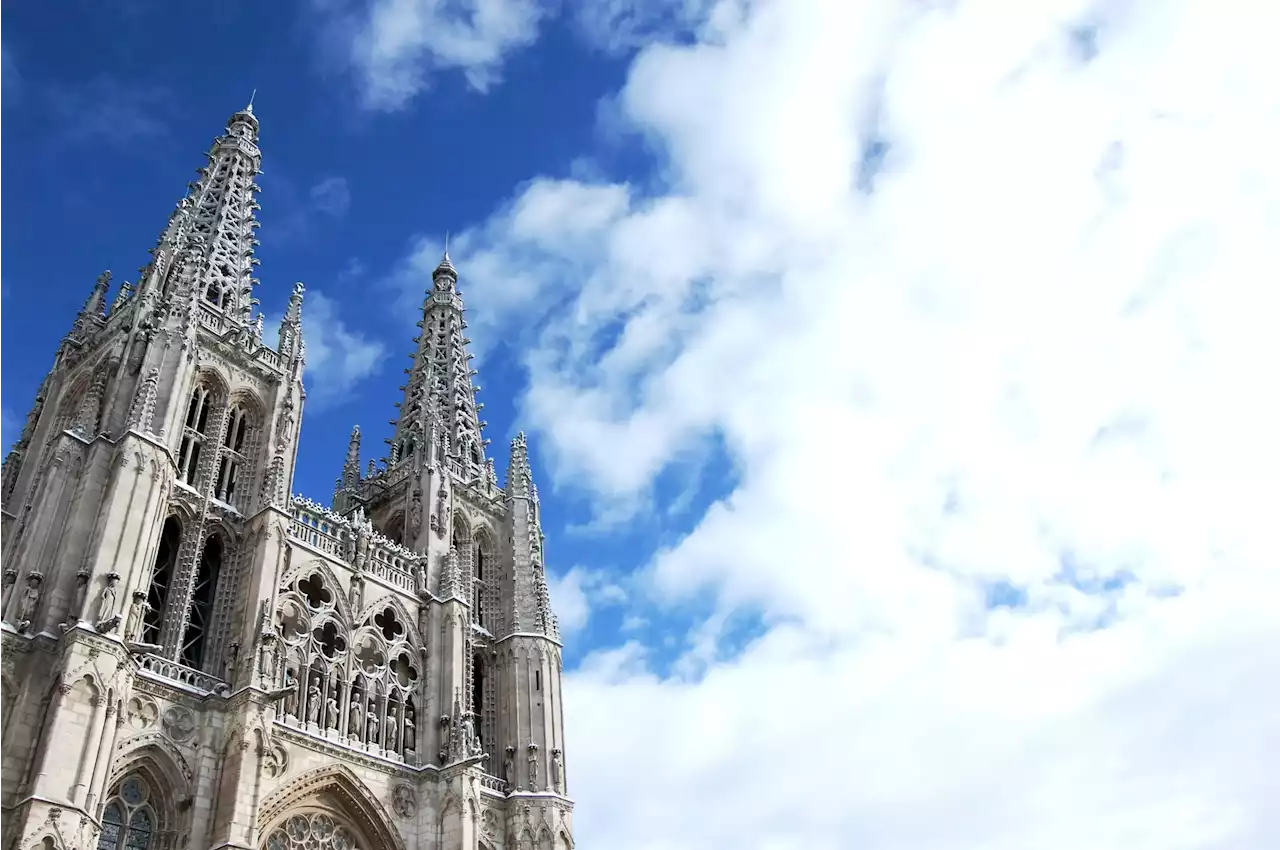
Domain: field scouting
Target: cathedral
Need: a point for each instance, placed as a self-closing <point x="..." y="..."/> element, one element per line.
<point x="196" y="658"/>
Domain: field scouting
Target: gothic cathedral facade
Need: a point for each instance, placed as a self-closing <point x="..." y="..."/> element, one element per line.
<point x="195" y="658"/>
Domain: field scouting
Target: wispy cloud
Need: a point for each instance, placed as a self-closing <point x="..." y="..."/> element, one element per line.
<point x="394" y="47"/>
<point x="109" y="110"/>
<point x="327" y="200"/>
<point x="576" y="594"/>
<point x="338" y="357"/>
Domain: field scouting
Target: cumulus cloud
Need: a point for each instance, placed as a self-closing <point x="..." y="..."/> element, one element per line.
<point x="580" y="591"/>
<point x="337" y="356"/>
<point x="976" y="297"/>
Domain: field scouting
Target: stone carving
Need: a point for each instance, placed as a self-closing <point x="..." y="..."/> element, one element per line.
<point x="137" y="613"/>
<point x="404" y="802"/>
<point x="30" y="599"/>
<point x="275" y="761"/>
<point x="415" y="519"/>
<point x="442" y="516"/>
<point x="178" y="722"/>
<point x="108" y="619"/>
<point x="557" y="771"/>
<point x="371" y="726"/>
<point x="533" y="767"/>
<point x="291" y="699"/>
<point x="313" y="701"/>
<point x="77" y="600"/>
<point x="509" y="768"/>
<point x="10" y="578"/>
<point x="142" y="712"/>
<point x="142" y="411"/>
<point x="331" y="710"/>
<point x="410" y="733"/>
<point x="233" y="658"/>
<point x="355" y="719"/>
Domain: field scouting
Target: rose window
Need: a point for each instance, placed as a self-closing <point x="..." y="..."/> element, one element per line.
<point x="310" y="832"/>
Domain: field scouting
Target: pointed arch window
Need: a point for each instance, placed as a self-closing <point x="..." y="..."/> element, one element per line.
<point x="194" y="434"/>
<point x="231" y="465"/>
<point x="128" y="821"/>
<point x="161" y="577"/>
<point x="202" y="596"/>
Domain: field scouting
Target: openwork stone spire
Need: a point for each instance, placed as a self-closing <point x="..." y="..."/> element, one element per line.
<point x="215" y="223"/>
<point x="439" y="391"/>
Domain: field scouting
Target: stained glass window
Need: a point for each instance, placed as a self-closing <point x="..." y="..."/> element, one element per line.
<point x="128" y="822"/>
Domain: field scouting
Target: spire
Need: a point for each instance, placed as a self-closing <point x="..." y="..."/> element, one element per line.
<point x="519" y="473"/>
<point x="217" y="216"/>
<point x="439" y="394"/>
<point x="351" y="469"/>
<point x="291" y="325"/>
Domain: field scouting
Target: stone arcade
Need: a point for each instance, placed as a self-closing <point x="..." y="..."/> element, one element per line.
<point x="193" y="657"/>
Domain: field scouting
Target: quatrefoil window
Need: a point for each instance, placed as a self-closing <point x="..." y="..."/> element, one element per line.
<point x="369" y="656"/>
<point x="293" y="621"/>
<point x="330" y="640"/>
<point x="317" y="595"/>
<point x="388" y="624"/>
<point x="404" y="671"/>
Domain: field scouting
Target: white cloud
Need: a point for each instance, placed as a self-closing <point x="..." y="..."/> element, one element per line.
<point x="576" y="593"/>
<point x="337" y="356"/>
<point x="331" y="196"/>
<point x="1038" y="355"/>
<point x="394" y="46"/>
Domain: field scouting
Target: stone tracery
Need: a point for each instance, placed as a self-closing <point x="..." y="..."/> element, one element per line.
<point x="354" y="683"/>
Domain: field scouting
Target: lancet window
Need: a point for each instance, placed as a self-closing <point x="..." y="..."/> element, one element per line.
<point x="194" y="434"/>
<point x="232" y="466"/>
<point x="129" y="821"/>
<point x="161" y="578"/>
<point x="202" y="596"/>
<point x="484" y="588"/>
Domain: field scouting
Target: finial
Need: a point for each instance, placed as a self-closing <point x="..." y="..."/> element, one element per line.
<point x="446" y="246"/>
<point x="249" y="108"/>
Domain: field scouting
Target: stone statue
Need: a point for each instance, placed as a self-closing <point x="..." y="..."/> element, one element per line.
<point x="10" y="578"/>
<point x="137" y="611"/>
<point x="533" y="768"/>
<point x="107" y="604"/>
<point x="355" y="719"/>
<point x="468" y="734"/>
<point x="391" y="734"/>
<point x="233" y="657"/>
<point x="410" y="733"/>
<point x="313" y="701"/>
<point x="371" y="726"/>
<point x="30" y="599"/>
<point x="415" y="517"/>
<point x="291" y="700"/>
<point x="509" y="767"/>
<point x="77" y="601"/>
<point x="331" y="710"/>
<point x="557" y="771"/>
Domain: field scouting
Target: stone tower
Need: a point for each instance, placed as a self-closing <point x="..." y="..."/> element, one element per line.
<point x="195" y="658"/>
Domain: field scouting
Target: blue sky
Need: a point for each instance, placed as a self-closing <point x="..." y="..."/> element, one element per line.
<point x="110" y="121"/>
<point x="896" y="374"/>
